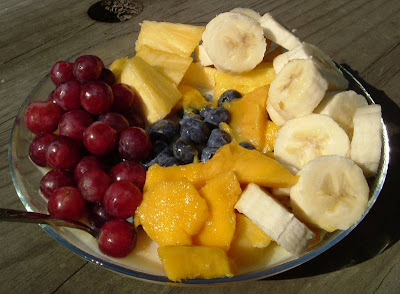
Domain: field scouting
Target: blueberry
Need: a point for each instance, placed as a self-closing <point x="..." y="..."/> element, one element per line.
<point x="205" y="110"/>
<point x="159" y="146"/>
<point x="207" y="153"/>
<point x="165" y="159"/>
<point x="194" y="130"/>
<point x="184" y="151"/>
<point x="217" y="115"/>
<point x="247" y="145"/>
<point x="163" y="130"/>
<point x="229" y="96"/>
<point x="218" y="138"/>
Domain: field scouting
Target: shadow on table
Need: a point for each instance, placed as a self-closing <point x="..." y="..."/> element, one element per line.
<point x="379" y="230"/>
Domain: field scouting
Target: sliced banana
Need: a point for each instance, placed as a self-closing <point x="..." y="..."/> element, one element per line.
<point x="210" y="27"/>
<point x="367" y="138"/>
<point x="275" y="116"/>
<point x="248" y="12"/>
<point x="274" y="219"/>
<point x="202" y="56"/>
<point x="297" y="90"/>
<point x="277" y="33"/>
<point x="332" y="193"/>
<point x="329" y="69"/>
<point x="341" y="106"/>
<point x="236" y="44"/>
<point x="302" y="139"/>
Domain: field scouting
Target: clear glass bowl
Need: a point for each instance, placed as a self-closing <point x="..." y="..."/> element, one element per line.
<point x="26" y="177"/>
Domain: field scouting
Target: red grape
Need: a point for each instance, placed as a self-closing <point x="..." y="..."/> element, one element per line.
<point x="87" y="163"/>
<point x="63" y="153"/>
<point x="130" y="171"/>
<point x="93" y="184"/>
<point x="96" y="97"/>
<point x="38" y="148"/>
<point x="134" y="144"/>
<point x="42" y="117"/>
<point x="115" y="120"/>
<point x="107" y="76"/>
<point x="135" y="119"/>
<point x="55" y="179"/>
<point x="98" y="215"/>
<point x="52" y="97"/>
<point x="100" y="138"/>
<point x="67" y="95"/>
<point x="121" y="199"/>
<point x="73" y="123"/>
<point x="62" y="72"/>
<point x="123" y="98"/>
<point x="66" y="203"/>
<point x="117" y="238"/>
<point x="87" y="68"/>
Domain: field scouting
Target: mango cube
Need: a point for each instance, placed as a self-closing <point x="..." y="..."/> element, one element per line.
<point x="172" y="212"/>
<point x="190" y="262"/>
<point x="191" y="98"/>
<point x="221" y="195"/>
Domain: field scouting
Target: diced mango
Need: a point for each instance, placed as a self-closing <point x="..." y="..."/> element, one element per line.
<point x="200" y="77"/>
<point x="191" y="97"/>
<point x="170" y="65"/>
<point x="157" y="94"/>
<point x="172" y="212"/>
<point x="117" y="67"/>
<point x="261" y="75"/>
<point x="221" y="194"/>
<point x="174" y="38"/>
<point x="190" y="262"/>
<point x="249" y="117"/>
<point x="271" y="130"/>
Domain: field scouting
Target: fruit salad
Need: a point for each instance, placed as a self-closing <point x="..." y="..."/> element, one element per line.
<point x="212" y="147"/>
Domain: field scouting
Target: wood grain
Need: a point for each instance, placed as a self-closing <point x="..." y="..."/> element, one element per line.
<point x="364" y="35"/>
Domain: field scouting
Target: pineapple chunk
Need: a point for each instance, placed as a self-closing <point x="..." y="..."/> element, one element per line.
<point x="157" y="94"/>
<point x="190" y="262"/>
<point x="117" y="67"/>
<point x="221" y="194"/>
<point x="191" y="98"/>
<point x="170" y="65"/>
<point x="174" y="38"/>
<point x="200" y="77"/>
<point x="202" y="56"/>
<point x="261" y="75"/>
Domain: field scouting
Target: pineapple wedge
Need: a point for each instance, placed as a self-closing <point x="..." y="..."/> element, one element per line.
<point x="117" y="67"/>
<point x="200" y="77"/>
<point x="174" y="38"/>
<point x="261" y="75"/>
<point x="157" y="94"/>
<point x="170" y="65"/>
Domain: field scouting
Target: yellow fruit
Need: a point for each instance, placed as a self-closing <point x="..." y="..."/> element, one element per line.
<point x="174" y="38"/>
<point x="249" y="116"/>
<point x="249" y="234"/>
<point x="172" y="212"/>
<point x="190" y="262"/>
<point x="246" y="82"/>
<point x="170" y="65"/>
<point x="191" y="98"/>
<point x="271" y="131"/>
<point x="117" y="67"/>
<point x="221" y="194"/>
<point x="200" y="77"/>
<point x="157" y="94"/>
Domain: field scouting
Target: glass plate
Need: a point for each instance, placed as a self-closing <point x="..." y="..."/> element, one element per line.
<point x="26" y="177"/>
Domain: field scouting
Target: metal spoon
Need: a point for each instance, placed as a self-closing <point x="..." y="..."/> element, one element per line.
<point x="11" y="215"/>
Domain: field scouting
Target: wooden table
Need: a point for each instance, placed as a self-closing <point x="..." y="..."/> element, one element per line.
<point x="362" y="34"/>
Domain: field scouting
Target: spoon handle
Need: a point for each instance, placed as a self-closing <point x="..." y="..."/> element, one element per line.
<point x="11" y="215"/>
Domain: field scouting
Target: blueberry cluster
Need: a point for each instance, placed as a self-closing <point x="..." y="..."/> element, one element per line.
<point x="195" y="136"/>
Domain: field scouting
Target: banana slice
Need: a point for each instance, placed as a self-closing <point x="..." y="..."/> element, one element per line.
<point x="341" y="106"/>
<point x="236" y="44"/>
<point x="274" y="219"/>
<point x="202" y="56"/>
<point x="367" y="138"/>
<point x="297" y="90"/>
<point x="248" y="12"/>
<point x="275" y="116"/>
<point x="328" y="68"/>
<point x="277" y="33"/>
<point x="210" y="27"/>
<point x="332" y="193"/>
<point x="302" y="139"/>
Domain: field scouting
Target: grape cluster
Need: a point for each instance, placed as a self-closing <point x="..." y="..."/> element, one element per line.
<point x="95" y="155"/>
